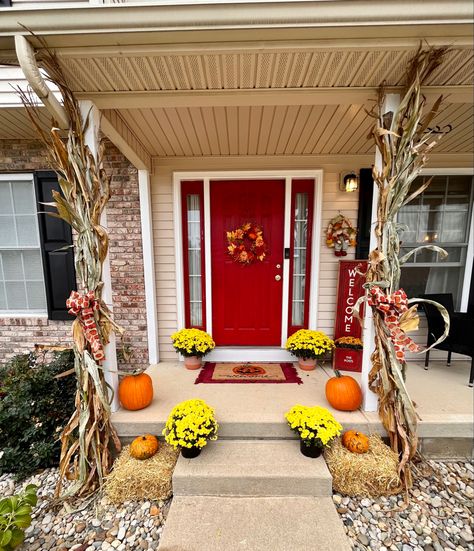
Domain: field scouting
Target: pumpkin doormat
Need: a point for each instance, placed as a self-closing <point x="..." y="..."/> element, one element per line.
<point x="370" y="474"/>
<point x="248" y="373"/>
<point x="135" y="479"/>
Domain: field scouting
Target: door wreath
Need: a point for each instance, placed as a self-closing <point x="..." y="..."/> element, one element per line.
<point x="246" y="244"/>
<point x="340" y="234"/>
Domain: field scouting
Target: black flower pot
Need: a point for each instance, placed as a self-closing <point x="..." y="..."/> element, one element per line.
<point x="310" y="451"/>
<point x="190" y="453"/>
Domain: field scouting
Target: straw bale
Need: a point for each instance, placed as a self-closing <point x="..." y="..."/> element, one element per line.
<point x="136" y="479"/>
<point x="371" y="474"/>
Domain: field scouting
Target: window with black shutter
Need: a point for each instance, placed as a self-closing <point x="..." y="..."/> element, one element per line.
<point x="57" y="252"/>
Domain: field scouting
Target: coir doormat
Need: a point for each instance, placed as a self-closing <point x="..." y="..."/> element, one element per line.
<point x="248" y="373"/>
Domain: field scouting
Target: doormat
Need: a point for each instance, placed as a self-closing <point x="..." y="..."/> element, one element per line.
<point x="248" y="373"/>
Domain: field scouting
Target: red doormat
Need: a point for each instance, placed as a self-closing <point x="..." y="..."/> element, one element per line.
<point x="248" y="372"/>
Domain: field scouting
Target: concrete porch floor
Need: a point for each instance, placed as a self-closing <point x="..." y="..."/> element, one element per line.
<point x="244" y="411"/>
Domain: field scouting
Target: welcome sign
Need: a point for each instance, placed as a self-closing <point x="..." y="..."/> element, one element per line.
<point x="349" y="290"/>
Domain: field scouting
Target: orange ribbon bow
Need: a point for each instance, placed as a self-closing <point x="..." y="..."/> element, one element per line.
<point x="393" y="307"/>
<point x="84" y="306"/>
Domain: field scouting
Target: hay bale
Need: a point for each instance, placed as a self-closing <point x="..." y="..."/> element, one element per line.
<point x="371" y="474"/>
<point x="135" y="479"/>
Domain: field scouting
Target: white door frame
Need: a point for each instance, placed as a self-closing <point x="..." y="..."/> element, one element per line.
<point x="243" y="353"/>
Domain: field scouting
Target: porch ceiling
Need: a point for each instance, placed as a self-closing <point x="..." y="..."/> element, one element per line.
<point x="301" y="98"/>
<point x="295" y="99"/>
<point x="256" y="68"/>
<point x="276" y="130"/>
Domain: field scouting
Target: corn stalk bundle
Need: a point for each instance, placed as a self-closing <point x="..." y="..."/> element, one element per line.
<point x="85" y="453"/>
<point x="404" y="139"/>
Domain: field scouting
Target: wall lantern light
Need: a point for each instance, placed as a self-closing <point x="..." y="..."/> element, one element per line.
<point x="349" y="182"/>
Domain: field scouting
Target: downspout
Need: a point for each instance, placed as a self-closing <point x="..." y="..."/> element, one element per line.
<point x="27" y="60"/>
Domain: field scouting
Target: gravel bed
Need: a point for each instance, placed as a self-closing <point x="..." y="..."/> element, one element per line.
<point x="439" y="515"/>
<point x="100" y="525"/>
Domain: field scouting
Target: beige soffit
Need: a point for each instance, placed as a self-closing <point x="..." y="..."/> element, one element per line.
<point x="264" y="69"/>
<point x="276" y="130"/>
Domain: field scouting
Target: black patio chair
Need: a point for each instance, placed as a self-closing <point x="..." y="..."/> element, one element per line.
<point x="461" y="333"/>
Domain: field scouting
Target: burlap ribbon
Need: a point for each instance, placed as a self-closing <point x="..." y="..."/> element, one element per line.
<point x="393" y="307"/>
<point x="83" y="306"/>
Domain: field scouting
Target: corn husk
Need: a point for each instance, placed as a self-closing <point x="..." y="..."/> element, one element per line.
<point x="404" y="140"/>
<point x="87" y="439"/>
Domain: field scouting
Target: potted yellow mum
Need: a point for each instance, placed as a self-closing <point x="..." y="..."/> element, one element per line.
<point x="308" y="346"/>
<point x="189" y="426"/>
<point x="316" y="427"/>
<point x="193" y="344"/>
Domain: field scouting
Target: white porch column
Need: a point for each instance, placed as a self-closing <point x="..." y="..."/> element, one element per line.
<point x="370" y="399"/>
<point x="110" y="362"/>
<point x="148" y="264"/>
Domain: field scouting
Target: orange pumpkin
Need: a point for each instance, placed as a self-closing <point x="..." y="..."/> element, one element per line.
<point x="343" y="392"/>
<point x="136" y="391"/>
<point x="144" y="446"/>
<point x="355" y="442"/>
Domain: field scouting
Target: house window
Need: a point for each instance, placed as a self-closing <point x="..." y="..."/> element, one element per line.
<point x="22" y="286"/>
<point x="302" y="195"/>
<point x="193" y="253"/>
<point x="439" y="216"/>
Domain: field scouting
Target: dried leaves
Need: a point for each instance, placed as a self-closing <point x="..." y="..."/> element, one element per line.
<point x="85" y="453"/>
<point x="404" y="140"/>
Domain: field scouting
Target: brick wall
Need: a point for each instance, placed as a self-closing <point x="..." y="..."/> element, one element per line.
<point x="18" y="335"/>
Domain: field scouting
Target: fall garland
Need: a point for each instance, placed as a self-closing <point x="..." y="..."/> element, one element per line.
<point x="246" y="244"/>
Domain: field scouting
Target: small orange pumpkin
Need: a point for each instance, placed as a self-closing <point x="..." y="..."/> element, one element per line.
<point x="136" y="391"/>
<point x="343" y="392"/>
<point x="144" y="447"/>
<point x="355" y="442"/>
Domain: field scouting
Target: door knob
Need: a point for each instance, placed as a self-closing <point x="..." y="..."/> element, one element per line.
<point x="277" y="277"/>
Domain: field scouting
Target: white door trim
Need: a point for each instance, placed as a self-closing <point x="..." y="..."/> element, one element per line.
<point x="249" y="353"/>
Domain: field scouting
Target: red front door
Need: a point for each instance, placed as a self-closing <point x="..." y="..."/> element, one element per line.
<point x="247" y="299"/>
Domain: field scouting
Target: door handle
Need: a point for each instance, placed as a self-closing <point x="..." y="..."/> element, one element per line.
<point x="277" y="277"/>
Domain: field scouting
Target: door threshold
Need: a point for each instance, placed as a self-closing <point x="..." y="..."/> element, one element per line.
<point x="249" y="354"/>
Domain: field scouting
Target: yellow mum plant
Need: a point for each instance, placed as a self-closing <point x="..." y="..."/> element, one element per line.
<point x="316" y="426"/>
<point x="309" y="344"/>
<point x="192" y="342"/>
<point x="190" y="425"/>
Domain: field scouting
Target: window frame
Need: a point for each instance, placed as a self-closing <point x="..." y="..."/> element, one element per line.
<point x="26" y="313"/>
<point x="193" y="187"/>
<point x="468" y="245"/>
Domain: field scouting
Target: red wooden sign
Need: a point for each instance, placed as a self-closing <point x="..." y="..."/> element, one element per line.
<point x="349" y="289"/>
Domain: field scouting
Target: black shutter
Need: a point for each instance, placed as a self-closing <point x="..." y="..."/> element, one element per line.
<point x="366" y="190"/>
<point x="58" y="261"/>
<point x="470" y="304"/>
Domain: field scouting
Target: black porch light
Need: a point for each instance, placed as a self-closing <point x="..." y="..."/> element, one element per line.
<point x="349" y="182"/>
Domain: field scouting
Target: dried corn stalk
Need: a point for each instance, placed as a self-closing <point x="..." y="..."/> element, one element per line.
<point x="404" y="139"/>
<point x="85" y="453"/>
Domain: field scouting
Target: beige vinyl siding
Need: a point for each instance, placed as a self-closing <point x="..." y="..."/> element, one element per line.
<point x="164" y="246"/>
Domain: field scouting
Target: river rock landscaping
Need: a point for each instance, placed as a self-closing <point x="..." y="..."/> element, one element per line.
<point x="98" y="525"/>
<point x="438" y="516"/>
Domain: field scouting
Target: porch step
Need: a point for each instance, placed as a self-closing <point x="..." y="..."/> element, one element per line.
<point x="258" y="468"/>
<point x="197" y="523"/>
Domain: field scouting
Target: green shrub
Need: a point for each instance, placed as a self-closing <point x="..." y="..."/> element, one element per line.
<point x="34" y="408"/>
<point x="15" y="516"/>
